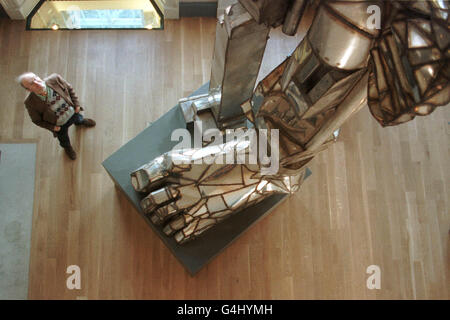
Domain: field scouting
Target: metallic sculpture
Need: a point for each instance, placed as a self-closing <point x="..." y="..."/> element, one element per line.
<point x="400" y="69"/>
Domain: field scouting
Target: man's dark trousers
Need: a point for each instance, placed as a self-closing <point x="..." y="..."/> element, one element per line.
<point x="63" y="134"/>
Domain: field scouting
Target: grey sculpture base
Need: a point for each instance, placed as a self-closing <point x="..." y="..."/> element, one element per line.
<point x="154" y="141"/>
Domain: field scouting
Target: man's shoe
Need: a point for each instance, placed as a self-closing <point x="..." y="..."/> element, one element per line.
<point x="71" y="153"/>
<point x="88" y="123"/>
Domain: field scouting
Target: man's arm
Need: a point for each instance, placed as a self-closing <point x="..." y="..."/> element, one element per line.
<point x="72" y="93"/>
<point x="36" y="117"/>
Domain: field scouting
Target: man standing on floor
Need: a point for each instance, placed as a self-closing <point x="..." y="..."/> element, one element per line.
<point x="52" y="104"/>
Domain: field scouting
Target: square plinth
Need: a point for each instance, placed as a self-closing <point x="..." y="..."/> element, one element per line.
<point x="151" y="143"/>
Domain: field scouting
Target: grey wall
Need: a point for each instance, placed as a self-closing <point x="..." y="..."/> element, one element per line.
<point x="198" y="8"/>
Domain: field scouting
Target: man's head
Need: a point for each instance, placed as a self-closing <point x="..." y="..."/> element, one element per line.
<point x="31" y="82"/>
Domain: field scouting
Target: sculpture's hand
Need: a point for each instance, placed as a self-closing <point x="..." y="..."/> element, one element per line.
<point x="189" y="198"/>
<point x="409" y="70"/>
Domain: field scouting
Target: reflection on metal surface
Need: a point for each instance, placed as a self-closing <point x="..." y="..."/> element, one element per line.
<point x="293" y="17"/>
<point x="409" y="72"/>
<point x="239" y="48"/>
<point x="339" y="44"/>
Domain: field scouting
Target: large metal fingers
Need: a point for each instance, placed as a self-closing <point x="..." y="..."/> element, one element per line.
<point x="157" y="199"/>
<point x="195" y="228"/>
<point x="197" y="219"/>
<point x="180" y="221"/>
<point x="212" y="210"/>
<point x="152" y="174"/>
<point x="168" y="202"/>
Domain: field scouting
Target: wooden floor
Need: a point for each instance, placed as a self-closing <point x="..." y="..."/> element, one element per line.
<point x="377" y="197"/>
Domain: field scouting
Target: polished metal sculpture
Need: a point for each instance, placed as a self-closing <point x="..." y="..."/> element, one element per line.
<point x="399" y="66"/>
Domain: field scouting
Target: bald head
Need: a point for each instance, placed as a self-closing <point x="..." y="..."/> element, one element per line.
<point x="25" y="79"/>
<point x="31" y="82"/>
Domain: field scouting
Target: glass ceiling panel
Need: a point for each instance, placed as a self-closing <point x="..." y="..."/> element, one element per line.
<point x="96" y="14"/>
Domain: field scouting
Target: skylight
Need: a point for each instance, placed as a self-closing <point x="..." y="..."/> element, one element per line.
<point x="100" y="14"/>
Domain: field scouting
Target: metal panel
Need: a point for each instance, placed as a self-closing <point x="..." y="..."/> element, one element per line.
<point x="268" y="12"/>
<point x="239" y="49"/>
<point x="218" y="62"/>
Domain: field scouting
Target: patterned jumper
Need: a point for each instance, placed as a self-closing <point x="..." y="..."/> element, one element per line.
<point x="59" y="106"/>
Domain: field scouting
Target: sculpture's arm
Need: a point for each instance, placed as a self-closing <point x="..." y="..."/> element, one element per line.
<point x="307" y="98"/>
<point x="310" y="95"/>
<point x="192" y="197"/>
